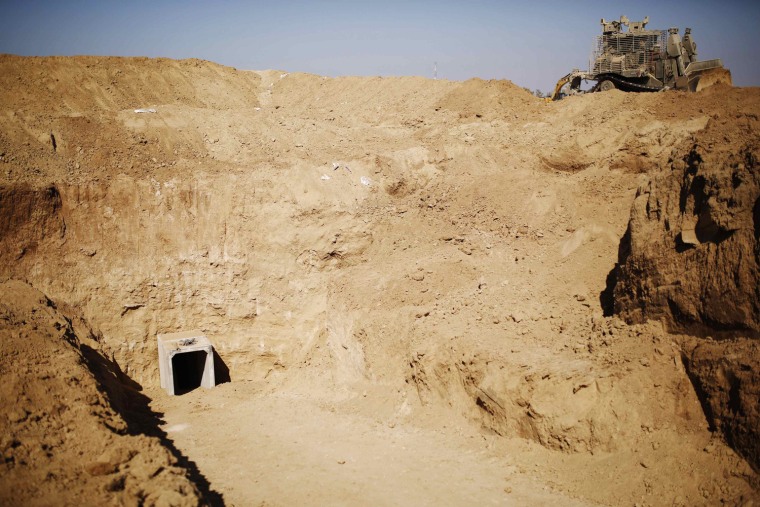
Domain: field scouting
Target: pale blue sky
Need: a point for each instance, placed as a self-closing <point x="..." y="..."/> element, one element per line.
<point x="530" y="43"/>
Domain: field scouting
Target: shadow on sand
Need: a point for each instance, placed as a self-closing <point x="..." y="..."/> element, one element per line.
<point x="128" y="400"/>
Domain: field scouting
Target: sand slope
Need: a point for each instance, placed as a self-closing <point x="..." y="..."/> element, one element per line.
<point x="442" y="247"/>
<point x="63" y="442"/>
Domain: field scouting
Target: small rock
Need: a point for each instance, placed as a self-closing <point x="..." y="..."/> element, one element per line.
<point x="17" y="416"/>
<point x="116" y="484"/>
<point x="99" y="468"/>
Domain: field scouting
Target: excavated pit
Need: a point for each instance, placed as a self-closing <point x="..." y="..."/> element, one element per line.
<point x="397" y="274"/>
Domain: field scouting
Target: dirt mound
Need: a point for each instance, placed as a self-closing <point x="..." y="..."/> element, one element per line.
<point x="476" y="99"/>
<point x="571" y="404"/>
<point x="90" y="83"/>
<point x="426" y="256"/>
<point x="64" y="116"/>
<point x="61" y="427"/>
<point x="344" y="98"/>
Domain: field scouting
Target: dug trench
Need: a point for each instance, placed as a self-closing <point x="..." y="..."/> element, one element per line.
<point x="419" y="291"/>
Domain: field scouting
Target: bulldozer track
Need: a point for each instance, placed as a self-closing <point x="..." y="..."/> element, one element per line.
<point x="622" y="84"/>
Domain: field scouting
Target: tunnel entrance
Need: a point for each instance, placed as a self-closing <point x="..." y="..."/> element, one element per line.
<point x="188" y="371"/>
<point x="186" y="362"/>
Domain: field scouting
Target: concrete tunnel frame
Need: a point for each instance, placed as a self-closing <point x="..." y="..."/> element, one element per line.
<point x="185" y="361"/>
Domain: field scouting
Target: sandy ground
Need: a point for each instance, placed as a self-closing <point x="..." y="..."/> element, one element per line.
<point x="369" y="444"/>
<point x="298" y="450"/>
<point x="403" y="278"/>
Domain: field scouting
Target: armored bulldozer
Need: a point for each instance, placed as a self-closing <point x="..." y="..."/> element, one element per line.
<point x="638" y="59"/>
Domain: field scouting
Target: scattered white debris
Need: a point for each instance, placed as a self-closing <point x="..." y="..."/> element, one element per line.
<point x="257" y="108"/>
<point x="176" y="427"/>
<point x="151" y="110"/>
<point x="324" y="177"/>
<point x="365" y="181"/>
<point x="283" y="75"/>
<point x="337" y="165"/>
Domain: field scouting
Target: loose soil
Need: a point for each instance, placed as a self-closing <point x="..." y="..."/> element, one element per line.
<point x="420" y="291"/>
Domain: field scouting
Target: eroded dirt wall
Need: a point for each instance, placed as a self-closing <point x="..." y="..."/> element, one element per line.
<point x="29" y="217"/>
<point x="691" y="258"/>
<point x="141" y="257"/>
<point x="726" y="377"/>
